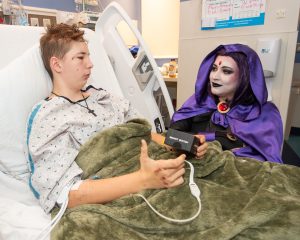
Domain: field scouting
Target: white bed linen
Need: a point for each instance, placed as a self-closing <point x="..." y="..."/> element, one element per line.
<point x="21" y="217"/>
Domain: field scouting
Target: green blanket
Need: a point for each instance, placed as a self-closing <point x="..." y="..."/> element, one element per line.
<point x="241" y="198"/>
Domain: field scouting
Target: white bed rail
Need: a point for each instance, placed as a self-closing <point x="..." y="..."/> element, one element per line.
<point x="139" y="78"/>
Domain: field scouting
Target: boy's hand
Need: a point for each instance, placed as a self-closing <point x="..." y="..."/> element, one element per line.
<point x="160" y="173"/>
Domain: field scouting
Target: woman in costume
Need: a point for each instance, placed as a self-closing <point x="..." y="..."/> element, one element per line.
<point x="230" y="105"/>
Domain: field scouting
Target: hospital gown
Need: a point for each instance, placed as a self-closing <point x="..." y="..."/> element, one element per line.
<point x="59" y="128"/>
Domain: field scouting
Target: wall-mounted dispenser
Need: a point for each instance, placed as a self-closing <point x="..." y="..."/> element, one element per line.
<point x="268" y="51"/>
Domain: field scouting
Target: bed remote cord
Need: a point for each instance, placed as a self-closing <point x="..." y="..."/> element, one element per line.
<point x="63" y="201"/>
<point x="195" y="192"/>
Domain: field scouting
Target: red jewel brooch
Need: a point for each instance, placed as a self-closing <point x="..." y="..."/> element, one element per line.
<point x="223" y="107"/>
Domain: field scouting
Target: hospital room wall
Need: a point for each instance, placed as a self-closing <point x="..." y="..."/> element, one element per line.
<point x="294" y="107"/>
<point x="66" y="5"/>
<point x="132" y="7"/>
<point x="161" y="32"/>
<point x="195" y="44"/>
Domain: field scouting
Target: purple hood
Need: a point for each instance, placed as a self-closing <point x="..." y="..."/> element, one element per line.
<point x="258" y="125"/>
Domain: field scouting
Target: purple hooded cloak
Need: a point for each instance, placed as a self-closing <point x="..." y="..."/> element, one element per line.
<point x="258" y="125"/>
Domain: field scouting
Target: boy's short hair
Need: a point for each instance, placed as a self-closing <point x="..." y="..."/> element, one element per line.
<point x="57" y="42"/>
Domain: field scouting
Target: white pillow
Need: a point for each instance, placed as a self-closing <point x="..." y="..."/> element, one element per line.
<point x="23" y="83"/>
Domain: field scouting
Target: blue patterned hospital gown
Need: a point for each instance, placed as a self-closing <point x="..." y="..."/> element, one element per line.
<point x="58" y="128"/>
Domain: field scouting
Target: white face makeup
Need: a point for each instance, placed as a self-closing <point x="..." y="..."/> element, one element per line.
<point x="224" y="78"/>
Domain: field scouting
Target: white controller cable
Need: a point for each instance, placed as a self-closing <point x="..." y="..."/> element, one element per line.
<point x="63" y="200"/>
<point x="195" y="192"/>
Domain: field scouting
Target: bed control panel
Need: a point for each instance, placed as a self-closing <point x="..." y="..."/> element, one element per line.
<point x="142" y="70"/>
<point x="148" y="83"/>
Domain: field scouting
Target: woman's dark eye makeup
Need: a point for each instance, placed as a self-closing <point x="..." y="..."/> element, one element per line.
<point x="226" y="70"/>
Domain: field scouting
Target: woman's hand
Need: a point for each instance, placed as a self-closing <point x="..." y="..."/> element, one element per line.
<point x="160" y="173"/>
<point x="201" y="150"/>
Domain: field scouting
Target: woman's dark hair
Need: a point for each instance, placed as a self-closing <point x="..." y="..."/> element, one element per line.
<point x="244" y="94"/>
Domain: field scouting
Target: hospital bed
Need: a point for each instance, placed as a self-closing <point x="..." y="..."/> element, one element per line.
<point x="24" y="81"/>
<point x="241" y="198"/>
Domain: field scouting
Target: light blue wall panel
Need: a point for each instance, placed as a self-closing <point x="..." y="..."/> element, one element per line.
<point x="63" y="5"/>
<point x="132" y="7"/>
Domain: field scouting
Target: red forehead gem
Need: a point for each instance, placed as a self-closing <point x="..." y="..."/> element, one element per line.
<point x="223" y="107"/>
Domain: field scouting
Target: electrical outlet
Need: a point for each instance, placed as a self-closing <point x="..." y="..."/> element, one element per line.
<point x="280" y="13"/>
